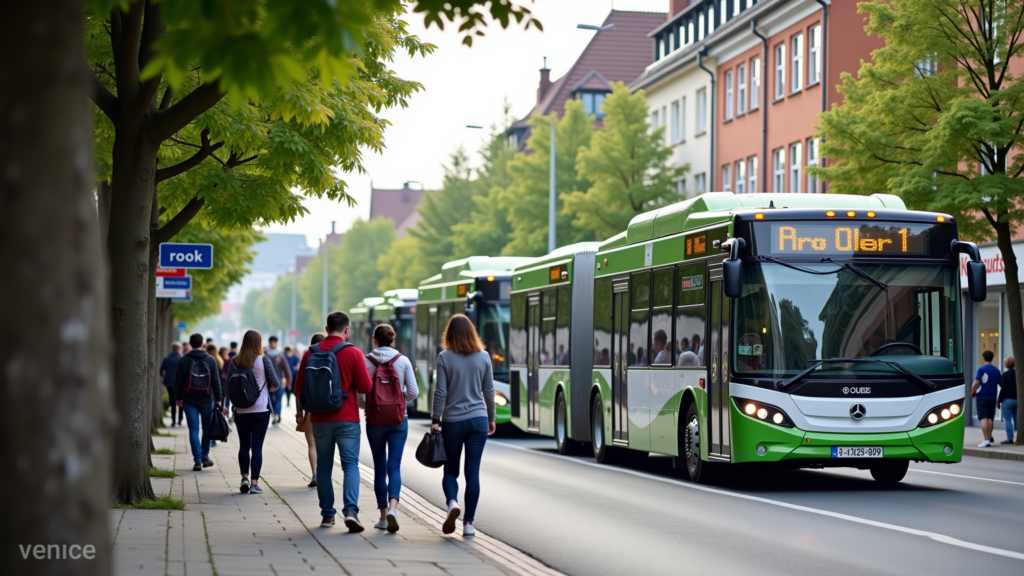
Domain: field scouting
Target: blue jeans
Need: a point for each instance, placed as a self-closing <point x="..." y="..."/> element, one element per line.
<point x="472" y="434"/>
<point x="252" y="431"/>
<point x="1009" y="411"/>
<point x="387" y="444"/>
<point x="275" y="400"/>
<point x="194" y="414"/>
<point x="346" y="436"/>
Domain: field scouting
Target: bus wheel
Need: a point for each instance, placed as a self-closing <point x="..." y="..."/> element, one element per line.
<point x="601" y="452"/>
<point x="566" y="445"/>
<point x="698" y="470"/>
<point x="890" y="472"/>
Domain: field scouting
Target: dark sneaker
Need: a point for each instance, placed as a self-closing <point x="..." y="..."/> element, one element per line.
<point x="245" y="485"/>
<point x="353" y="524"/>
<point x="312" y="482"/>
<point x="207" y="463"/>
<point x="1007" y="441"/>
<point x="255" y="489"/>
<point x="327" y="522"/>
<point x="197" y="468"/>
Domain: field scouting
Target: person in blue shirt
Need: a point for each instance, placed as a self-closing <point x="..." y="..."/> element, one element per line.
<point x="986" y="383"/>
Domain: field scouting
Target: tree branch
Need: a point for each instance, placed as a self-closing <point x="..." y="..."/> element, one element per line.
<point x="166" y="100"/>
<point x="192" y="161"/>
<point x="166" y="123"/>
<point x="126" y="50"/>
<point x="153" y="28"/>
<point x="168" y="231"/>
<point x="103" y="99"/>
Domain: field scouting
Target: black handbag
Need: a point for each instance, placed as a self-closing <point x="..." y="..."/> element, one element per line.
<point x="430" y="452"/>
<point x="219" y="427"/>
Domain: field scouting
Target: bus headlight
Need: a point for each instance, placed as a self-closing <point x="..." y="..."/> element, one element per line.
<point x="764" y="412"/>
<point x="942" y="413"/>
<point x="500" y="400"/>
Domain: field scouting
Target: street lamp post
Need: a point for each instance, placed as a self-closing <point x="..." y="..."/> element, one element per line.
<point x="294" y="330"/>
<point x="551" y="189"/>
<point x="327" y="251"/>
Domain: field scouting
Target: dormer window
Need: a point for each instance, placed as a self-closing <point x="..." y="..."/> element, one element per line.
<point x="592" y="103"/>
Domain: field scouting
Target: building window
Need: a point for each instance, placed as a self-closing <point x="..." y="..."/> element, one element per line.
<point x="741" y="177"/>
<point x="797" y="72"/>
<point x="728" y="95"/>
<point x="755" y="82"/>
<point x="592" y="103"/>
<point x="779" y="170"/>
<point x="795" y="158"/>
<point x="780" y="71"/>
<point x="682" y="119"/>
<point x="711" y="19"/>
<point x="700" y="26"/>
<point x="664" y="119"/>
<point x="726" y="179"/>
<point x="741" y="89"/>
<point x="700" y="183"/>
<point x="702" y="110"/>
<point x="689" y="31"/>
<point x="813" y="186"/>
<point x="928" y="66"/>
<point x="814" y="73"/>
<point x="676" y="135"/>
<point x="654" y="121"/>
<point x="723" y="10"/>
<point x="752" y="175"/>
<point x="681" y="187"/>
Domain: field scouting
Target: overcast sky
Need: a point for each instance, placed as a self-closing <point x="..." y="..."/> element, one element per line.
<point x="463" y="86"/>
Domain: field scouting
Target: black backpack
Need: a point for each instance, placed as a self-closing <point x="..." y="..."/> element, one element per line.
<point x="243" y="391"/>
<point x="321" y="381"/>
<point x="198" y="381"/>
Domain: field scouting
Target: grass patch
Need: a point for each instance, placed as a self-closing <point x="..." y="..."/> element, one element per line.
<point x="164" y="451"/>
<point x="162" y="473"/>
<point x="164" y="434"/>
<point x="163" y="503"/>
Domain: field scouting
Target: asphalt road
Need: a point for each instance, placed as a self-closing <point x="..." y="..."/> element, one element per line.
<point x="584" y="518"/>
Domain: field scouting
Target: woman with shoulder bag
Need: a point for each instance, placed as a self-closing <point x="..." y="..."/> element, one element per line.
<point x="387" y="440"/>
<point x="252" y="422"/>
<point x="464" y="414"/>
<point x="306" y="426"/>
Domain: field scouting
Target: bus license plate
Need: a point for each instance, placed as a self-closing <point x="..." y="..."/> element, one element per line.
<point x="856" y="451"/>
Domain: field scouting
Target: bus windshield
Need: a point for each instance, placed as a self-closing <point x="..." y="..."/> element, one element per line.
<point x="787" y="317"/>
<point x="494" y="333"/>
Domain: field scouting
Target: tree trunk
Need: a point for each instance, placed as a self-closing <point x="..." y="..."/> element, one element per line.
<point x="155" y="418"/>
<point x="103" y="209"/>
<point x="55" y="333"/>
<point x="128" y="243"/>
<point x="163" y="346"/>
<point x="1004" y="236"/>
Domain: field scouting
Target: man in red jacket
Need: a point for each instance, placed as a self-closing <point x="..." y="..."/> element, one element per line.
<point x="340" y="427"/>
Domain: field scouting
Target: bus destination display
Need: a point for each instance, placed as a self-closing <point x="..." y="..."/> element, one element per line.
<point x="850" y="238"/>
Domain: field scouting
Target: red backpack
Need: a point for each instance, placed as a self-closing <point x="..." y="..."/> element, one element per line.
<point x="385" y="404"/>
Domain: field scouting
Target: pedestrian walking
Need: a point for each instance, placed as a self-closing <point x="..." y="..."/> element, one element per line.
<point x="211" y="349"/>
<point x="387" y="420"/>
<point x="253" y="421"/>
<point x="464" y="414"/>
<point x="333" y="369"/>
<point x="306" y="426"/>
<point x="1007" y="400"/>
<point x="984" y="391"/>
<point x="197" y="391"/>
<point x="283" y="372"/>
<point x="225" y="361"/>
<point x="293" y="365"/>
<point x="168" y="369"/>
<point x="233" y="351"/>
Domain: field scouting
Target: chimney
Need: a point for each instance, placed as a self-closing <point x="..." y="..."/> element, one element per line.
<point x="332" y="226"/>
<point x="545" y="81"/>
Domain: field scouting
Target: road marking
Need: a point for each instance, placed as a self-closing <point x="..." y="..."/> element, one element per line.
<point x="912" y="531"/>
<point x="967" y="477"/>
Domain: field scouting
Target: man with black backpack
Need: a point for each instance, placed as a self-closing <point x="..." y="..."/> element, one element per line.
<point x="197" y="391"/>
<point x="330" y="375"/>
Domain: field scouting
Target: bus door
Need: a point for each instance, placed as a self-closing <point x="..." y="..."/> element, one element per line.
<point x="620" y="361"/>
<point x="718" y="378"/>
<point x="533" y="363"/>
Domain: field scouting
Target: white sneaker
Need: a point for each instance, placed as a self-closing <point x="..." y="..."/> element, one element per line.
<point x="453" y="514"/>
<point x="985" y="444"/>
<point x="468" y="530"/>
<point x="392" y="521"/>
<point x="381" y="524"/>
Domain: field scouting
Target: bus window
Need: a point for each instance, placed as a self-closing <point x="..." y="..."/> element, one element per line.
<point x="444" y="314"/>
<point x="639" y="347"/>
<point x="549" y="306"/>
<point x="562" y="326"/>
<point x="517" y="330"/>
<point x="662" y="345"/>
<point x="602" y="322"/>
<point x="422" y="334"/>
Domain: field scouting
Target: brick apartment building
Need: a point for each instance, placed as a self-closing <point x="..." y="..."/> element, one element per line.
<point x="399" y="205"/>
<point x="738" y="86"/>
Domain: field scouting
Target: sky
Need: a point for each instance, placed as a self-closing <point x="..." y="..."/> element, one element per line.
<point x="462" y="86"/>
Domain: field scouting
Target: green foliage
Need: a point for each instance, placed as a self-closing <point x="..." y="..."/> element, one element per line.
<point x="355" y="267"/>
<point x="232" y="253"/>
<point x="628" y="165"/>
<point x="310" y="289"/>
<point x="164" y="452"/>
<point x="163" y="503"/>
<point x="946" y="138"/>
<point x="441" y="210"/>
<point x="488" y="228"/>
<point x="162" y="473"/>
<point x="252" y="311"/>
<point x="402" y="265"/>
<point x="526" y="199"/>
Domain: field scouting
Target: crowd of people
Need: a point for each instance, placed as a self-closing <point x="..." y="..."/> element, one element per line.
<point x="994" y="390"/>
<point x="331" y="381"/>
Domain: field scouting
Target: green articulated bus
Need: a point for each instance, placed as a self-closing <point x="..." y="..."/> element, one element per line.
<point x="361" y="319"/>
<point x="800" y="330"/>
<point x="478" y="286"/>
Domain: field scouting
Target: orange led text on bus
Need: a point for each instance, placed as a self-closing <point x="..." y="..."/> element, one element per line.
<point x="846" y="240"/>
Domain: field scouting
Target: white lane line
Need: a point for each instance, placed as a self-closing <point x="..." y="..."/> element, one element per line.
<point x="912" y="531"/>
<point x="967" y="477"/>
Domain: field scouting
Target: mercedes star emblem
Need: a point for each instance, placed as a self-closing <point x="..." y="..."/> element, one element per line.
<point x="857" y="411"/>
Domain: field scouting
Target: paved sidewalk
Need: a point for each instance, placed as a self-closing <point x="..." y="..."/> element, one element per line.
<point x="972" y="437"/>
<point x="224" y="532"/>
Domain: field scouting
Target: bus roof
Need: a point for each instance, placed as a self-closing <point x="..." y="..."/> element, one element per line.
<point x="474" y="267"/>
<point x="718" y="207"/>
<point x="364" y="306"/>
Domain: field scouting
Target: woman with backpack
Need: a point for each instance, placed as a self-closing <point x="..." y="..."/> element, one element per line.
<point x="387" y="420"/>
<point x="307" y="423"/>
<point x="251" y="379"/>
<point x="464" y="414"/>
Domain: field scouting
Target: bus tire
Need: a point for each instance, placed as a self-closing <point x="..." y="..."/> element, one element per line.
<point x="891" y="472"/>
<point x="689" y="447"/>
<point x="602" y="453"/>
<point x="566" y="446"/>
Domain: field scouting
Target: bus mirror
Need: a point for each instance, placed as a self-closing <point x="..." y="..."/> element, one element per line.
<point x="732" y="282"/>
<point x="976" y="285"/>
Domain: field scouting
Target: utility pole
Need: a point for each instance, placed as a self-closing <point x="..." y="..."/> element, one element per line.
<point x="295" y="275"/>
<point x="551" y="188"/>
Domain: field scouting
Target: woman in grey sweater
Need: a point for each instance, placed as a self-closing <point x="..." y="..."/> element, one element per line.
<point x="464" y="413"/>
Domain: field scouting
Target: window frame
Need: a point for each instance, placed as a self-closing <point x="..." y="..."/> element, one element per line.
<point x="741" y="89"/>
<point x="741" y="176"/>
<point x="678" y="306"/>
<point x="676" y="136"/>
<point x="726" y="178"/>
<point x="654" y="308"/>
<point x="755" y="83"/>
<point x="813" y="159"/>
<point x="702" y="110"/>
<point x="780" y="71"/>
<point x="779" y="170"/>
<point x="752" y="174"/>
<point x="796" y="80"/>
<point x="814" y="55"/>
<point x="795" y="167"/>
<point x="728" y="94"/>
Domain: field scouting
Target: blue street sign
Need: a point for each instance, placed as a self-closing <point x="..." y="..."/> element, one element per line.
<point x="186" y="255"/>
<point x="177" y="283"/>
<point x="187" y="298"/>
<point x="182" y="325"/>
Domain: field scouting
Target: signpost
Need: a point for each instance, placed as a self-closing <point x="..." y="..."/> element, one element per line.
<point x="182" y="325"/>
<point x="175" y="288"/>
<point x="186" y="255"/>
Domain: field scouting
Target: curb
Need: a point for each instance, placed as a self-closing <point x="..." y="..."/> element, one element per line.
<point x="995" y="454"/>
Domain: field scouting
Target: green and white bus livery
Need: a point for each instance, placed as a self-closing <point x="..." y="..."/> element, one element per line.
<point x="478" y="286"/>
<point x="825" y="331"/>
